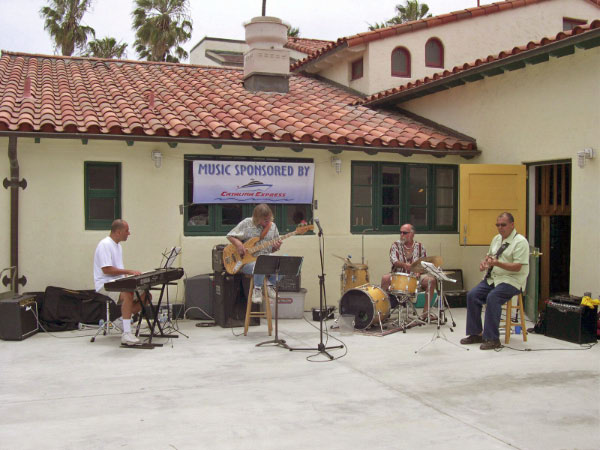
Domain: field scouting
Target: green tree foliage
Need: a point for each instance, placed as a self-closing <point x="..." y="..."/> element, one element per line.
<point x="160" y="27"/>
<point x="293" y="32"/>
<point x="411" y="10"/>
<point x="106" y="48"/>
<point x="62" y="19"/>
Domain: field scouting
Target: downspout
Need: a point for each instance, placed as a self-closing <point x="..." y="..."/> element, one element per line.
<point x="14" y="185"/>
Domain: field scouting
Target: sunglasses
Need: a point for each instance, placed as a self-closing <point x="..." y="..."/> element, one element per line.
<point x="405" y="232"/>
<point x="500" y="225"/>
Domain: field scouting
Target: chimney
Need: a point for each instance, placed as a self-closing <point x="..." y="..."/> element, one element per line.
<point x="266" y="63"/>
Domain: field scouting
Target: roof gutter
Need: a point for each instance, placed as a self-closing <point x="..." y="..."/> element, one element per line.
<point x="537" y="55"/>
<point x="257" y="145"/>
<point x="14" y="184"/>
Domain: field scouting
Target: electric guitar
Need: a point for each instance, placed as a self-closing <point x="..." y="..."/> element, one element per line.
<point x="232" y="260"/>
<point x="498" y="253"/>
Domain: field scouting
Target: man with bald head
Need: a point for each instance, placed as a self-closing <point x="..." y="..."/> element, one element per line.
<point x="403" y="253"/>
<point x="108" y="266"/>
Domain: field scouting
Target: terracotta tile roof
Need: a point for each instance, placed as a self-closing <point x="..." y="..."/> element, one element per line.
<point x="408" y="27"/>
<point x="307" y="46"/>
<point x="67" y="95"/>
<point x="577" y="31"/>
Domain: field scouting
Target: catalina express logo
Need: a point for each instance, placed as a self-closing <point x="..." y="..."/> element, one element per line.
<point x="254" y="186"/>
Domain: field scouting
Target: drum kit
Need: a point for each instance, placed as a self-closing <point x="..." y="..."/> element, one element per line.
<point x="372" y="306"/>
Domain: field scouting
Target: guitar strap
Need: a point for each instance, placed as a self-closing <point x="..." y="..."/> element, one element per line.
<point x="265" y="231"/>
<point x="498" y="253"/>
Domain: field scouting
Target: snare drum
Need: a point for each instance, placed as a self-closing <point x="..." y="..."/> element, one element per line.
<point x="403" y="283"/>
<point x="354" y="275"/>
<point x="368" y="304"/>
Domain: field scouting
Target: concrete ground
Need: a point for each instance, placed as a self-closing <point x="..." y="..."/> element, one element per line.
<point x="216" y="390"/>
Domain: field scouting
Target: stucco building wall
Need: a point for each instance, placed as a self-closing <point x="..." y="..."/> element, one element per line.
<point x="545" y="112"/>
<point x="55" y="249"/>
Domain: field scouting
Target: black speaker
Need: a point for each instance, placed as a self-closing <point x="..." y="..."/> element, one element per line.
<point x="200" y="293"/>
<point x="18" y="318"/>
<point x="573" y="323"/>
<point x="230" y="300"/>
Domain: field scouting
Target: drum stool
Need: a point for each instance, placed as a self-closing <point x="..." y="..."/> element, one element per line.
<point x="509" y="322"/>
<point x="266" y="313"/>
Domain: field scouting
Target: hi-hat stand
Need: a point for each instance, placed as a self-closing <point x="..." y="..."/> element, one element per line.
<point x="321" y="348"/>
<point x="277" y="265"/>
<point x="442" y="305"/>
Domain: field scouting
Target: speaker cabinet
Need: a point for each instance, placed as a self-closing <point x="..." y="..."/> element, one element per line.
<point x="230" y="300"/>
<point x="573" y="323"/>
<point x="200" y="294"/>
<point x="18" y="318"/>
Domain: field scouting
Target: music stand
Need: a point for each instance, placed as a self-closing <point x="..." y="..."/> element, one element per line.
<point x="277" y="265"/>
<point x="440" y="277"/>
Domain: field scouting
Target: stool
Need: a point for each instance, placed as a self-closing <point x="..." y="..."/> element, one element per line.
<point x="509" y="323"/>
<point x="266" y="313"/>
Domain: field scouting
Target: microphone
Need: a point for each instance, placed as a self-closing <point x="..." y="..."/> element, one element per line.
<point x="316" y="220"/>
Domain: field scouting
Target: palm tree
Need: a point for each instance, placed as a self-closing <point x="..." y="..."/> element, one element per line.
<point x="62" y="19"/>
<point x="293" y="32"/>
<point x="411" y="10"/>
<point x="161" y="26"/>
<point x="106" y="48"/>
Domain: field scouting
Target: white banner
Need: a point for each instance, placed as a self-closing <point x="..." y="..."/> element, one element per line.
<point x="253" y="182"/>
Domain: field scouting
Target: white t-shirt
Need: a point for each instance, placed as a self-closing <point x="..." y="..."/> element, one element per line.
<point x="108" y="253"/>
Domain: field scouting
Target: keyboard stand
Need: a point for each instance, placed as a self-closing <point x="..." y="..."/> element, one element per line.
<point x="152" y="322"/>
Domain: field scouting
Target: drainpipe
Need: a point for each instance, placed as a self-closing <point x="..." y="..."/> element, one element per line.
<point x="14" y="185"/>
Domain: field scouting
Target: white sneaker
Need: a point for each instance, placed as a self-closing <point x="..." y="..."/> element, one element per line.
<point x="271" y="291"/>
<point x="129" y="339"/>
<point x="257" y="295"/>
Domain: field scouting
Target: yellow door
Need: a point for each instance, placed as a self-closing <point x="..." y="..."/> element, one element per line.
<point x="486" y="190"/>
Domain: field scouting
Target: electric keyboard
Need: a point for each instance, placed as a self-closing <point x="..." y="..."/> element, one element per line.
<point x="144" y="281"/>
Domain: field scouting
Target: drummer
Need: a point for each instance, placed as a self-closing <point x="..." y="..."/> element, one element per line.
<point x="403" y="253"/>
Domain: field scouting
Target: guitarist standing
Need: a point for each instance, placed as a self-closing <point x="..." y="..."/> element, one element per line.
<point x="259" y="225"/>
<point x="507" y="266"/>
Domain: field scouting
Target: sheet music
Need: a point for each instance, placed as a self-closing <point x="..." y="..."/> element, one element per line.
<point x="170" y="255"/>
<point x="436" y="271"/>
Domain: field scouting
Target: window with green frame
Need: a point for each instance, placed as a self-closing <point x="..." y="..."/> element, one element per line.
<point x="219" y="219"/>
<point x="387" y="195"/>
<point x="102" y="195"/>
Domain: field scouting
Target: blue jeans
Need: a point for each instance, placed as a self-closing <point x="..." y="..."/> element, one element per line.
<point x="248" y="269"/>
<point x="493" y="297"/>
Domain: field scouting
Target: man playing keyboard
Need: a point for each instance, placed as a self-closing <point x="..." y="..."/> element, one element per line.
<point x="108" y="266"/>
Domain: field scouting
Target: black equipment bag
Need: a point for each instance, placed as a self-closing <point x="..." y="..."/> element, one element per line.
<point x="63" y="309"/>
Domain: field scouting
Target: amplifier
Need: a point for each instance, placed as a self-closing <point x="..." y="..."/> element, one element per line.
<point x="289" y="283"/>
<point x="569" y="322"/>
<point x="18" y="317"/>
<point x="230" y="300"/>
<point x="217" y="258"/>
<point x="199" y="296"/>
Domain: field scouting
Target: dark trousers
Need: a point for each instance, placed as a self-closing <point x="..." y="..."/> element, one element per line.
<point x="493" y="298"/>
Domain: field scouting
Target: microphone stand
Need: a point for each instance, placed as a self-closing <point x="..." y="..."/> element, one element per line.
<point x="321" y="348"/>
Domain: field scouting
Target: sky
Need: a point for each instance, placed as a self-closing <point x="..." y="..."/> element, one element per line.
<point x="22" y="29"/>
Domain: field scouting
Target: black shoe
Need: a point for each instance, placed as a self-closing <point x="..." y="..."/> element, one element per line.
<point x="490" y="345"/>
<point x="473" y="339"/>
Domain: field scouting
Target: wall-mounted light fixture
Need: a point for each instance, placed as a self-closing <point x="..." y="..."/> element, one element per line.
<point x="157" y="158"/>
<point x="585" y="154"/>
<point x="337" y="163"/>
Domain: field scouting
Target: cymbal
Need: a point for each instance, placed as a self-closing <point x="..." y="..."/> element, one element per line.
<point x="416" y="267"/>
<point x="349" y="263"/>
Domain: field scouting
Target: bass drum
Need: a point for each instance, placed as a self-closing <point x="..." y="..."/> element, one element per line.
<point x="367" y="303"/>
